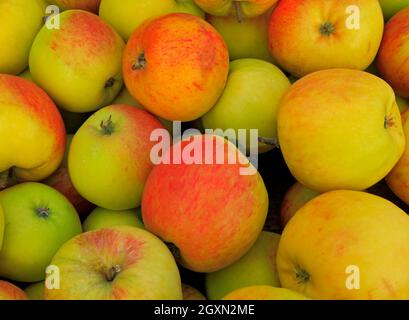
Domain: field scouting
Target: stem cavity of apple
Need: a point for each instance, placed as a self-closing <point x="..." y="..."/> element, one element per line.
<point x="43" y="212"/>
<point x="327" y="28"/>
<point x="302" y="275"/>
<point x="140" y="62"/>
<point x="107" y="126"/>
<point x="111" y="274"/>
<point x="239" y="13"/>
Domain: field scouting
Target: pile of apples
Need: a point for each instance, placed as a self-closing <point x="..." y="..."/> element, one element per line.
<point x="86" y="214"/>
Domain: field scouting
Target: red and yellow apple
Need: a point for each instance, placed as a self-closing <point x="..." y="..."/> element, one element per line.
<point x="126" y="15"/>
<point x="88" y="5"/>
<point x="20" y="22"/>
<point x="109" y="158"/>
<point x="119" y="263"/>
<point x="190" y="293"/>
<point x="307" y="36"/>
<point x="79" y="64"/>
<point x="239" y="8"/>
<point x="245" y="39"/>
<point x="393" y="62"/>
<point x="297" y="196"/>
<point x="256" y="267"/>
<point x="9" y="291"/>
<point x="38" y="221"/>
<point x="104" y="218"/>
<point x="327" y="124"/>
<point x="263" y="293"/>
<point x="32" y="131"/>
<point x="208" y="212"/>
<point x="334" y="248"/>
<point x="176" y="66"/>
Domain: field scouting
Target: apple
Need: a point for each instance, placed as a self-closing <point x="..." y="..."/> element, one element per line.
<point x="38" y="221"/>
<point x="403" y="104"/>
<point x="245" y="39"/>
<point x="297" y="196"/>
<point x="20" y="22"/>
<point x="79" y="64"/>
<point x="1" y="227"/>
<point x="88" y="5"/>
<point x="398" y="178"/>
<point x="32" y="131"/>
<point x="9" y="291"/>
<point x="336" y="244"/>
<point x="176" y="66"/>
<point x="60" y="180"/>
<point x="35" y="291"/>
<point x="190" y="293"/>
<point x="109" y="158"/>
<point x="208" y="212"/>
<point x="391" y="7"/>
<point x="104" y="218"/>
<point x="393" y="62"/>
<point x="118" y="263"/>
<point x="332" y="145"/>
<point x="263" y="293"/>
<point x="126" y="15"/>
<point x="307" y="36"/>
<point x="256" y="267"/>
<point x="240" y="8"/>
<point x="250" y="100"/>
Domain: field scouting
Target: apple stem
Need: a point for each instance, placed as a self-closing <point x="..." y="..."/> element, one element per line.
<point x="302" y="275"/>
<point x="269" y="141"/>
<point x="107" y="126"/>
<point x="237" y="10"/>
<point x="43" y="212"/>
<point x="140" y="62"/>
<point x="327" y="28"/>
<point x="113" y="272"/>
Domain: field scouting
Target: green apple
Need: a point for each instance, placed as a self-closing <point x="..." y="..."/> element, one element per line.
<point x="20" y="22"/>
<point x="250" y="100"/>
<point x="116" y="263"/>
<point x="126" y="15"/>
<point x="245" y="39"/>
<point x="109" y="158"/>
<point x="256" y="267"/>
<point x="38" y="221"/>
<point x="79" y="64"/>
<point x="104" y="218"/>
<point x="35" y="291"/>
<point x="390" y="7"/>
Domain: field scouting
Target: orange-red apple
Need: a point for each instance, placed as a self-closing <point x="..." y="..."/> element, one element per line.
<point x="9" y="291"/>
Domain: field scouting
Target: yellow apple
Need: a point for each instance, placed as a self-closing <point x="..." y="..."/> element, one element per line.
<point x="20" y="22"/>
<point x="340" y="129"/>
<point x="346" y="245"/>
<point x="104" y="218"/>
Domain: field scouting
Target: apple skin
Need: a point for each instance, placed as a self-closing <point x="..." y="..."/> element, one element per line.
<point x="20" y="22"/>
<point x="245" y="39"/>
<point x="297" y="196"/>
<point x="300" y="47"/>
<point x="244" y="8"/>
<point x="79" y="65"/>
<point x="104" y="218"/>
<point x="39" y="220"/>
<point x="9" y="291"/>
<point x="35" y="291"/>
<point x="331" y="146"/>
<point x="126" y="15"/>
<point x="250" y="100"/>
<point x="182" y="205"/>
<point x="1" y="227"/>
<point x="256" y="267"/>
<point x="60" y="180"/>
<point x="403" y="104"/>
<point x="109" y="163"/>
<point x="190" y="293"/>
<point x="393" y="62"/>
<point x="176" y="66"/>
<point x="146" y="268"/>
<point x="88" y="5"/>
<point x="263" y="293"/>
<point x="32" y="131"/>
<point x="343" y="228"/>
<point x="391" y="7"/>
